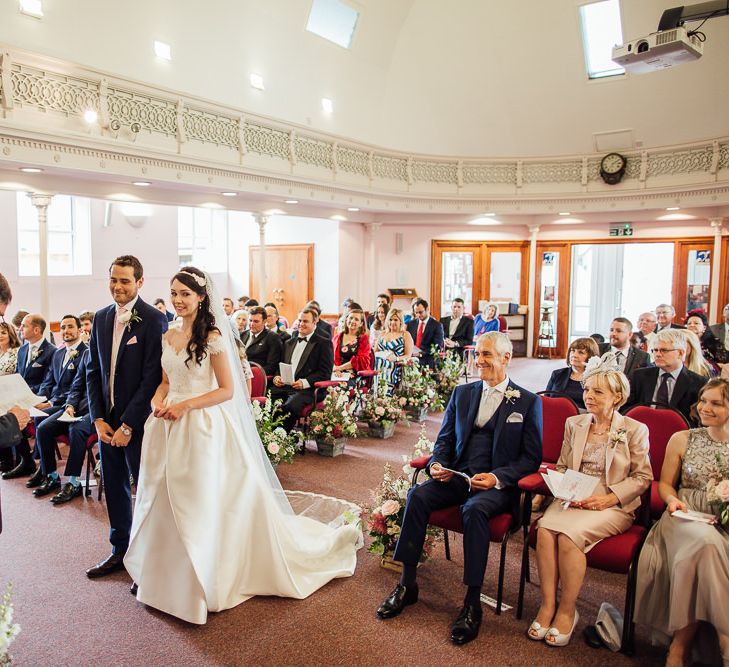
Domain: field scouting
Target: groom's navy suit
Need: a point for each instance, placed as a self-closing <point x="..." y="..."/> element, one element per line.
<point x="137" y="375"/>
<point x="509" y="445"/>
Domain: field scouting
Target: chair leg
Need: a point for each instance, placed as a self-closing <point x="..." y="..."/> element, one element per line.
<point x="627" y="643"/>
<point x="89" y="465"/>
<point x="447" y="545"/>
<point x="523" y="578"/>
<point x="502" y="566"/>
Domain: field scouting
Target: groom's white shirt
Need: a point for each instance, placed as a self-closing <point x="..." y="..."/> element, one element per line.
<point x="115" y="341"/>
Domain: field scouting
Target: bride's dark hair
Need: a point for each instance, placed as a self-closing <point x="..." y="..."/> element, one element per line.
<point x="204" y="323"/>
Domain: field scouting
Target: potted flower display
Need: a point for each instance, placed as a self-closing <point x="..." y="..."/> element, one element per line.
<point x="416" y="392"/>
<point x="383" y="518"/>
<point x="449" y="368"/>
<point x="279" y="445"/>
<point x="333" y="423"/>
<point x="8" y="630"/>
<point x="380" y="410"/>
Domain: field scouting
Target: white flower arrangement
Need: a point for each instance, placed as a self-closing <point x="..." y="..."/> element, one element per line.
<point x="511" y="394"/>
<point x="423" y="447"/>
<point x="8" y="630"/>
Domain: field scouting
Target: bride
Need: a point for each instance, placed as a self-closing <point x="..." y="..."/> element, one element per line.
<point x="212" y="526"/>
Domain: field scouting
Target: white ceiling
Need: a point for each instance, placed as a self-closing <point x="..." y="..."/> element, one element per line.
<point x="472" y="77"/>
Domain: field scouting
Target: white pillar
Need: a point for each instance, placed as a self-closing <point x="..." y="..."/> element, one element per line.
<point x="716" y="225"/>
<point x="372" y="228"/>
<point x="41" y="203"/>
<point x="531" y="304"/>
<point x="262" y="220"/>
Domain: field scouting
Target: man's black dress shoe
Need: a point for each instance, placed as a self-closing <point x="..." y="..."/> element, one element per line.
<point x="111" y="564"/>
<point x="23" y="469"/>
<point x="68" y="492"/>
<point x="49" y="486"/>
<point x="466" y="626"/>
<point x="133" y="589"/>
<point x="36" y="479"/>
<point x="400" y="598"/>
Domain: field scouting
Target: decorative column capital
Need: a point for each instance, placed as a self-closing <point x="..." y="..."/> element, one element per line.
<point x="40" y="201"/>
<point x="372" y="227"/>
<point x="534" y="230"/>
<point x="261" y="220"/>
<point x="717" y="224"/>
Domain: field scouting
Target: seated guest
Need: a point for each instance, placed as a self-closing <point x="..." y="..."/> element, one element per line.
<point x="228" y="306"/>
<point x="242" y="302"/>
<point x="78" y="432"/>
<point x="668" y="382"/>
<point x="17" y="322"/>
<point x="9" y="346"/>
<point x="323" y="328"/>
<point x="694" y="359"/>
<point x="240" y="320"/>
<point x="626" y="356"/>
<point x="348" y="306"/>
<point x="712" y="349"/>
<point x="683" y="571"/>
<point x="492" y="432"/>
<point x="251" y="303"/>
<point x="34" y="361"/>
<point x="87" y="321"/>
<point x="646" y="327"/>
<point x="488" y="320"/>
<point x="598" y="338"/>
<point x="665" y="314"/>
<point x="721" y="334"/>
<point x="569" y="380"/>
<point x="312" y="359"/>
<point x="382" y="300"/>
<point x="160" y="305"/>
<point x="427" y="333"/>
<point x="410" y="315"/>
<point x="378" y="324"/>
<point x="394" y="347"/>
<point x="352" y="352"/>
<point x="274" y="323"/>
<point x="458" y="328"/>
<point x="262" y="346"/>
<point x="56" y="386"/>
<point x="613" y="448"/>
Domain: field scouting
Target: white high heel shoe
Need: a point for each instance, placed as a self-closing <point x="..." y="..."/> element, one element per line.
<point x="557" y="638"/>
<point x="541" y="632"/>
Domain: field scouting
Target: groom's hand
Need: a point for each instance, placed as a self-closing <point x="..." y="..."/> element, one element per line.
<point x="104" y="431"/>
<point x="119" y="439"/>
<point x="439" y="475"/>
<point x="483" y="481"/>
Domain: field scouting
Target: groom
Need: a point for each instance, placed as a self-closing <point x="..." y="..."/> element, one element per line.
<point x="123" y="372"/>
<point x="492" y="431"/>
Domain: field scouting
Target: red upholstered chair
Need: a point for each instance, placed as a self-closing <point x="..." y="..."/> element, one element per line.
<point x="662" y="423"/>
<point x="258" y="383"/>
<point x="503" y="325"/>
<point x="501" y="527"/>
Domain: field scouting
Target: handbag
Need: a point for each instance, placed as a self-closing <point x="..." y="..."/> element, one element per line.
<point x="609" y="626"/>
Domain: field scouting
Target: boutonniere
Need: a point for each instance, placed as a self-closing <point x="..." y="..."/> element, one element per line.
<point x="35" y="353"/>
<point x="511" y="394"/>
<point x="619" y="437"/>
<point x="72" y="355"/>
<point x="130" y="318"/>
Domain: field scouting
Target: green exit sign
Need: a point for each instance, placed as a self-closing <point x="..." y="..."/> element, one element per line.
<point x="621" y="230"/>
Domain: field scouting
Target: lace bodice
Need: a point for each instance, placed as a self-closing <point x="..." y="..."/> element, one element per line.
<point x="700" y="459"/>
<point x="593" y="460"/>
<point x="191" y="379"/>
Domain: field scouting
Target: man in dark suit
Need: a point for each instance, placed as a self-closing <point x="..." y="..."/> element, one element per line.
<point x="56" y="386"/>
<point x="426" y="332"/>
<point x="665" y="313"/>
<point x="627" y="357"/>
<point x="457" y="328"/>
<point x="273" y="324"/>
<point x="668" y="383"/>
<point x="262" y="346"/>
<point x="11" y="426"/>
<point x="160" y="305"/>
<point x="382" y="300"/>
<point x="312" y="358"/>
<point x="124" y="370"/>
<point x="491" y="432"/>
<point x="34" y="361"/>
<point x="721" y="331"/>
<point x="322" y="328"/>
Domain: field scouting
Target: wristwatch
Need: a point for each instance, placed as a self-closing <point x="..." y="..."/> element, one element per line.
<point x="126" y="431"/>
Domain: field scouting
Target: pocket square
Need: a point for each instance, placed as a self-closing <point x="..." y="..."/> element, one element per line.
<point x="36" y="365"/>
<point x="515" y="418"/>
<point x="132" y="341"/>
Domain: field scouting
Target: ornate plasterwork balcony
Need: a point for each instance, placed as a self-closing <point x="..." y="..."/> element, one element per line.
<point x="174" y="138"/>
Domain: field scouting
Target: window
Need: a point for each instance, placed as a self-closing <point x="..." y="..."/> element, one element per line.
<point x="69" y="236"/>
<point x="333" y="20"/>
<point x="601" y="30"/>
<point x="202" y="238"/>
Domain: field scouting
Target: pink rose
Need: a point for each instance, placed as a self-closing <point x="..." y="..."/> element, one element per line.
<point x="722" y="490"/>
<point x="273" y="448"/>
<point x="390" y="507"/>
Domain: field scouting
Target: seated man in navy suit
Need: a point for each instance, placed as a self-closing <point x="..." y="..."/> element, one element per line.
<point x="426" y="332"/>
<point x="492" y="432"/>
<point x="34" y="361"/>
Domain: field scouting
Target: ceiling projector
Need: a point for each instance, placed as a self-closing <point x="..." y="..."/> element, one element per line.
<point x="659" y="50"/>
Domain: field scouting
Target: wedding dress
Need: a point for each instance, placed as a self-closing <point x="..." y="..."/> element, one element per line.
<point x="212" y="526"/>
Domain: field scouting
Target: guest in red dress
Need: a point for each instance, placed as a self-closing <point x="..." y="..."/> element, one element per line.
<point x="352" y="351"/>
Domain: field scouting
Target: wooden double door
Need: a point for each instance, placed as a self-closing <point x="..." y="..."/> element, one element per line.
<point x="289" y="277"/>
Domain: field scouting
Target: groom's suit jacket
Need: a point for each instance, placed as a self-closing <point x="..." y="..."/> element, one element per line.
<point x="517" y="442"/>
<point x="138" y="365"/>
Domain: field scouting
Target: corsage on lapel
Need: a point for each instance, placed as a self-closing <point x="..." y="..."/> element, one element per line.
<point x="130" y="318"/>
<point x="511" y="394"/>
<point x="619" y="437"/>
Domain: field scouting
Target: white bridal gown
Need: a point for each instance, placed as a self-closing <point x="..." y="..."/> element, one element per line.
<point x="208" y="531"/>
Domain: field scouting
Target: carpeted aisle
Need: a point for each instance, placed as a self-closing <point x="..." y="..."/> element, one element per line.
<point x="68" y="619"/>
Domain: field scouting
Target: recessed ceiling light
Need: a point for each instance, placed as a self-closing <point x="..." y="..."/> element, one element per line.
<point x="565" y="213"/>
<point x="274" y="211"/>
<point x="32" y="8"/>
<point x="257" y="81"/>
<point x="141" y="184"/>
<point x="292" y="201"/>
<point x="162" y="50"/>
<point x="31" y="170"/>
<point x="90" y="116"/>
<point x="353" y="209"/>
<point x="484" y="222"/>
<point x="327" y="105"/>
<point x="229" y="194"/>
<point x="338" y="218"/>
<point x="489" y="215"/>
<point x="673" y="208"/>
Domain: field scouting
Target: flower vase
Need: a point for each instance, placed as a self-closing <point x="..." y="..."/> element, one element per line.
<point x="416" y="413"/>
<point x="387" y="563"/>
<point x="332" y="448"/>
<point x="382" y="430"/>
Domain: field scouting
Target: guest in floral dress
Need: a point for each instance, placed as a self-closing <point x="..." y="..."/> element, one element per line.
<point x="9" y="346"/>
<point x="394" y="347"/>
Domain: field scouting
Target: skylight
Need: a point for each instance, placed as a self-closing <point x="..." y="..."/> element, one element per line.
<point x="601" y="30"/>
<point x="333" y="20"/>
